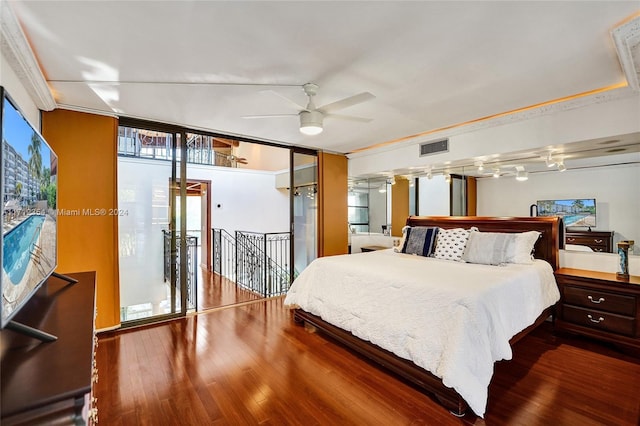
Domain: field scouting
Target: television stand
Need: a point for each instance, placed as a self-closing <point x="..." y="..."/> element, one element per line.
<point x="51" y="383"/>
<point x="66" y="278"/>
<point x="30" y="331"/>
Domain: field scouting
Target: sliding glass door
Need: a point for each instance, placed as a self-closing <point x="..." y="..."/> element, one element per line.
<point x="152" y="252"/>
<point x="304" y="209"/>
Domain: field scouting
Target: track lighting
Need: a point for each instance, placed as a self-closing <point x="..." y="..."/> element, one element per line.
<point x="550" y="161"/>
<point x="522" y="175"/>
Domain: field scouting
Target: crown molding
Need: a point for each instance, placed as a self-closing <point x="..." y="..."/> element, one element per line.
<point x="626" y="38"/>
<point x="18" y="53"/>
<point x="524" y="114"/>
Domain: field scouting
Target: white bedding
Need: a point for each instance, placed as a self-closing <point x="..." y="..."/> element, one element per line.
<point x="450" y="318"/>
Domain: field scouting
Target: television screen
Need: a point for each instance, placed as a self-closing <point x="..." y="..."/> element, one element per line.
<point x="574" y="212"/>
<point x="28" y="190"/>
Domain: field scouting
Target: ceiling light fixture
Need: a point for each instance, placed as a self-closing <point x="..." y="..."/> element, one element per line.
<point x="310" y="122"/>
<point x="561" y="166"/>
<point x="496" y="173"/>
<point x="522" y="175"/>
<point x="550" y="161"/>
<point x="480" y="166"/>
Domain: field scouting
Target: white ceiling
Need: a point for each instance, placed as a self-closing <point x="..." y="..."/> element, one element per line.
<point x="432" y="64"/>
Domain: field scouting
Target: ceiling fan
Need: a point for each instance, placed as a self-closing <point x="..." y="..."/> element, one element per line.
<point x="311" y="117"/>
<point x="238" y="160"/>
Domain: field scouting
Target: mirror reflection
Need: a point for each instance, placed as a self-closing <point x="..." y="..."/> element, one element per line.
<point x="592" y="183"/>
<point x="369" y="211"/>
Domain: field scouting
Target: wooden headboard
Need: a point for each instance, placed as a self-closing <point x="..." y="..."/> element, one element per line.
<point x="547" y="247"/>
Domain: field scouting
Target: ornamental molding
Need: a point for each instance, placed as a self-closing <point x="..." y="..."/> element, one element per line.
<point x="20" y="57"/>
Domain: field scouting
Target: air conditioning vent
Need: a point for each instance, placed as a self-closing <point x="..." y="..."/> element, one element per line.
<point x="430" y="148"/>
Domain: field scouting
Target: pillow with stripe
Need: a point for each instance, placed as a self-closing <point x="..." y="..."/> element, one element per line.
<point x="420" y="240"/>
<point x="496" y="248"/>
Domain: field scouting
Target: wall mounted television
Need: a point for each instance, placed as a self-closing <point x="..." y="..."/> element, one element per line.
<point x="575" y="212"/>
<point x="28" y="190"/>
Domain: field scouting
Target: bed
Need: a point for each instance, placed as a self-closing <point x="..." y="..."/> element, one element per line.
<point x="421" y="317"/>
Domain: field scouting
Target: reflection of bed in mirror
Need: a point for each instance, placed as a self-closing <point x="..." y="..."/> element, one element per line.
<point x="402" y="278"/>
<point x="595" y="241"/>
<point x="359" y="240"/>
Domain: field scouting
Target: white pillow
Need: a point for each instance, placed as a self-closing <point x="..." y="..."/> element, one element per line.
<point x="450" y="243"/>
<point x="495" y="248"/>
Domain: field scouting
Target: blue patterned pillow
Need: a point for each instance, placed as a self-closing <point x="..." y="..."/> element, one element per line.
<point x="420" y="240"/>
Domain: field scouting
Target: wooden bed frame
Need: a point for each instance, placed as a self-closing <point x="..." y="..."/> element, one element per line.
<point x="546" y="248"/>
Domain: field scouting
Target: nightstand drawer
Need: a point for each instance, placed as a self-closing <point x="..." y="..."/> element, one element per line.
<point x="600" y="300"/>
<point x="599" y="320"/>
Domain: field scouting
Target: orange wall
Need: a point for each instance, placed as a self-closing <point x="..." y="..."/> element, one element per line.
<point x="333" y="221"/>
<point x="87" y="158"/>
<point x="399" y="205"/>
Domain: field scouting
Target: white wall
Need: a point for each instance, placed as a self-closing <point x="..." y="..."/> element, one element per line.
<point x="530" y="130"/>
<point x="248" y="199"/>
<point x="9" y="80"/>
<point x="615" y="188"/>
<point x="433" y="196"/>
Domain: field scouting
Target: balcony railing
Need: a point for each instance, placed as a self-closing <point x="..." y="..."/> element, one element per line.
<point x="258" y="262"/>
<point x="192" y="266"/>
<point x="200" y="148"/>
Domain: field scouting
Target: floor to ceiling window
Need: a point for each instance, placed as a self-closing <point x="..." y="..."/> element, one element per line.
<point x="209" y="221"/>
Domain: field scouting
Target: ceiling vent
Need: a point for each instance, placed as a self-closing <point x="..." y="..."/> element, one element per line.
<point x="431" y="148"/>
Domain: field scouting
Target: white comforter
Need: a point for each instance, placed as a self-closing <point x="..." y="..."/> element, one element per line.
<point x="450" y="318"/>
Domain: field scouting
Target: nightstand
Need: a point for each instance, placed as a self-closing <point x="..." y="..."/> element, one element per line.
<point x="598" y="305"/>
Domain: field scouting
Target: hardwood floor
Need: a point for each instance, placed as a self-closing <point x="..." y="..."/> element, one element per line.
<point x="251" y="364"/>
<point x="215" y="291"/>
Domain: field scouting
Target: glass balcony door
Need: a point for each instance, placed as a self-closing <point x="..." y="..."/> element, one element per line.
<point x="304" y="209"/>
<point x="152" y="250"/>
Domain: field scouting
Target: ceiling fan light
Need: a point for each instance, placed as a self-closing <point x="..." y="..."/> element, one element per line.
<point x="311" y="122"/>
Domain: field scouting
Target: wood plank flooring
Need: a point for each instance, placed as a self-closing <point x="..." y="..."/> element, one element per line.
<point x="215" y="291"/>
<point x="252" y="365"/>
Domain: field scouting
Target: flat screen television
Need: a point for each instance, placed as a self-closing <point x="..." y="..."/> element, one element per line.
<point x="29" y="192"/>
<point x="575" y="212"/>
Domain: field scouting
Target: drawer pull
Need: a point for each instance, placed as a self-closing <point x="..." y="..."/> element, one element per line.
<point x="595" y="320"/>
<point x="600" y="300"/>
<point x="570" y="239"/>
<point x="598" y="241"/>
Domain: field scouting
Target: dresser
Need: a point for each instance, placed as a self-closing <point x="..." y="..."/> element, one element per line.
<point x="51" y="383"/>
<point x="600" y="241"/>
<point x="598" y="305"/>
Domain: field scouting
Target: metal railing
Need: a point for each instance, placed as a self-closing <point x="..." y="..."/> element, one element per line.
<point x="200" y="148"/>
<point x="258" y="262"/>
<point x="192" y="266"/>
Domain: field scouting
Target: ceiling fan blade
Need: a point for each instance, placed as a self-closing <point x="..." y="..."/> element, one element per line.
<point x="269" y="116"/>
<point x="347" y="102"/>
<point x="291" y="103"/>
<point x="350" y="118"/>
